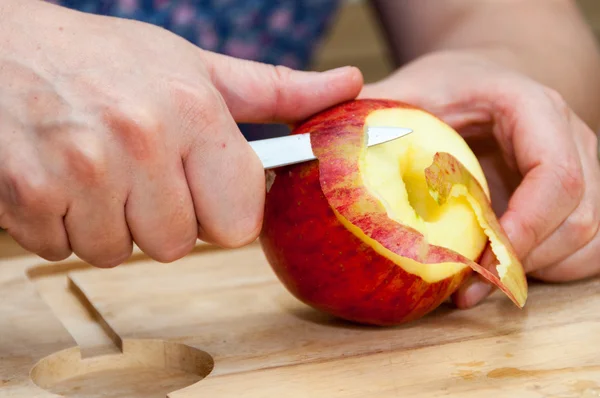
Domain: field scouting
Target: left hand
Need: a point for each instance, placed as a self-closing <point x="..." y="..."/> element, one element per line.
<point x="543" y="169"/>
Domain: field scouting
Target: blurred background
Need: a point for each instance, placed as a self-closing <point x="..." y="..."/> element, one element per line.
<point x="366" y="47"/>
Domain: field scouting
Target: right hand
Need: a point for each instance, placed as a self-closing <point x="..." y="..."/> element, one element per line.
<point x="114" y="131"/>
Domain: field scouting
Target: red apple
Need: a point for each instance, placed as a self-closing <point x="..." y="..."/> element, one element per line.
<point x="383" y="235"/>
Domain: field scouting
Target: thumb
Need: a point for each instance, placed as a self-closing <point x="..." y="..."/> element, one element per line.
<point x="260" y="93"/>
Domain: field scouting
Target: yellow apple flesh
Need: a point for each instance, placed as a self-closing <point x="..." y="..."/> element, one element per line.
<point x="394" y="174"/>
<point x="384" y="234"/>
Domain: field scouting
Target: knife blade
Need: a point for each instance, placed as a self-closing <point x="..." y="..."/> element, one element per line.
<point x="292" y="149"/>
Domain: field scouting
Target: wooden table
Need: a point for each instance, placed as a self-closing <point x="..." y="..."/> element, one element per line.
<point x="219" y="324"/>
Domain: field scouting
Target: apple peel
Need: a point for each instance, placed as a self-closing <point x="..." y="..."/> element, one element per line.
<point x="342" y="186"/>
<point x="340" y="154"/>
<point x="447" y="177"/>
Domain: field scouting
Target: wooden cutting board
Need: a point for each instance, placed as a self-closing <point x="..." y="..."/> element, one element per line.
<point x="219" y="324"/>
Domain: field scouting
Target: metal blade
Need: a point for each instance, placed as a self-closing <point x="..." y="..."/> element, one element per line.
<point x="283" y="151"/>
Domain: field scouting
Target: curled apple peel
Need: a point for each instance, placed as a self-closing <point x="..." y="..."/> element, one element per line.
<point x="342" y="152"/>
<point x="447" y="177"/>
<point x="383" y="235"/>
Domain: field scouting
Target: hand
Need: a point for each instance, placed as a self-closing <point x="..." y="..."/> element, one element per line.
<point x="544" y="176"/>
<point x="114" y="131"/>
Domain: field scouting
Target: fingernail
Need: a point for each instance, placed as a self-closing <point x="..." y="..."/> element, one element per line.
<point x="344" y="71"/>
<point x="313" y="76"/>
<point x="338" y="71"/>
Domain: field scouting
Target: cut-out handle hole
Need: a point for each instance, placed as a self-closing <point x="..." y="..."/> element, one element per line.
<point x="145" y="368"/>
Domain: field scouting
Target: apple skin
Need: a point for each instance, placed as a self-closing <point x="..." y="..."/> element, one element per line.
<point x="327" y="267"/>
<point x="321" y="262"/>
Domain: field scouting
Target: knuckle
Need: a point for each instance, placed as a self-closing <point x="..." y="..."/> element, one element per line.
<point x="584" y="223"/>
<point x="25" y="190"/>
<point x="281" y="75"/>
<point x="557" y="100"/>
<point x="570" y="175"/>
<point x="139" y="131"/>
<point x="86" y="159"/>
<point x="210" y="98"/>
<point x="527" y="229"/>
<point x="198" y="104"/>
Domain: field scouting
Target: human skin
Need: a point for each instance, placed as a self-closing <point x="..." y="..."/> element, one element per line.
<point x="114" y="131"/>
<point x="518" y="78"/>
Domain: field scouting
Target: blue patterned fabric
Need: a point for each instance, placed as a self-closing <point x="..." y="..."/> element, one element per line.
<point x="281" y="32"/>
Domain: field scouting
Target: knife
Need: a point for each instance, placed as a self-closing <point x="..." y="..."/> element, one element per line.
<point x="291" y="149"/>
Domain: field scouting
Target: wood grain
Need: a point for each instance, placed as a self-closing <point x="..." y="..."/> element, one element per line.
<point x="29" y="331"/>
<point x="525" y="364"/>
<point x="231" y="302"/>
<point x="218" y="323"/>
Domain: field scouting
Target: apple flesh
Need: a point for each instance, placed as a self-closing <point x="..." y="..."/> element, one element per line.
<point x="383" y="235"/>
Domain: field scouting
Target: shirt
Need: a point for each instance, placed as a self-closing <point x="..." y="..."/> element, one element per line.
<point x="283" y="32"/>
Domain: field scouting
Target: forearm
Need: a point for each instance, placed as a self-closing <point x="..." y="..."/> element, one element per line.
<point x="545" y="39"/>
